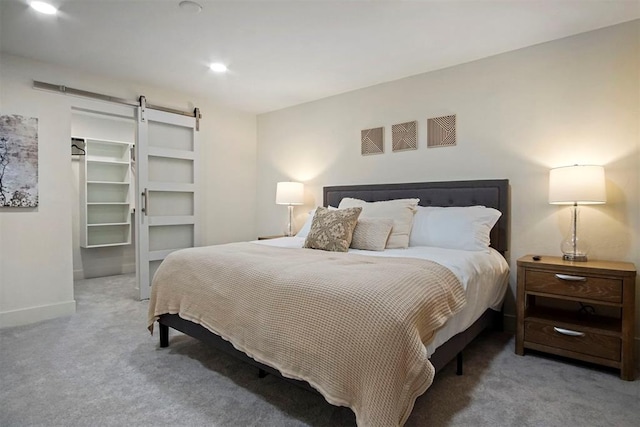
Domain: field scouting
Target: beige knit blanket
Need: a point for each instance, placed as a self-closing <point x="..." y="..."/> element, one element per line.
<point x="352" y="326"/>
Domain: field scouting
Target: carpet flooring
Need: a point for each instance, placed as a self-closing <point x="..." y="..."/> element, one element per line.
<point x="101" y="367"/>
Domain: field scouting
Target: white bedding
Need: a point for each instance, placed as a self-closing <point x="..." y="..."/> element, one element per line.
<point x="484" y="276"/>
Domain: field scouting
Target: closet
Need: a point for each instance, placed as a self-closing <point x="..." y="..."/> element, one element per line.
<point x="136" y="170"/>
<point x="105" y="192"/>
<point x="102" y="136"/>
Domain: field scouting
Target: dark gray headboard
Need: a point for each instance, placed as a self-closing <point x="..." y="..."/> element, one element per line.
<point x="492" y="193"/>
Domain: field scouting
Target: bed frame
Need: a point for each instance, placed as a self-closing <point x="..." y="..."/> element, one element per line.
<point x="490" y="193"/>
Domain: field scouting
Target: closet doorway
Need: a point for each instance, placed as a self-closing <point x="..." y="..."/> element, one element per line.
<point x="102" y="138"/>
<point x="135" y="202"/>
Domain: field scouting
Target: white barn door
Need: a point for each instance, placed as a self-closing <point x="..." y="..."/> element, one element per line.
<point x="166" y="203"/>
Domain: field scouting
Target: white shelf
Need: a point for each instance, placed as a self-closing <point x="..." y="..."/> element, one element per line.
<point x="105" y="171"/>
<point x="108" y="234"/>
<point x="108" y="213"/>
<point x="107" y="183"/>
<point x="108" y="203"/>
<point x="106" y="245"/>
<point x="105" y="150"/>
<point x="106" y="141"/>
<point x="92" y="159"/>
<point x="105" y="193"/>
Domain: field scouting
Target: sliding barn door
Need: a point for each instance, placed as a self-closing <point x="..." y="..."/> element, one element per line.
<point x="167" y="200"/>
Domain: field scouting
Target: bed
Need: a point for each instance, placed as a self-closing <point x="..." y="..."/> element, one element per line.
<point x="450" y="339"/>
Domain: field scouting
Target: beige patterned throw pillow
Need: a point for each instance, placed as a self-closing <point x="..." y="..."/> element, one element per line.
<point x="332" y="230"/>
<point x="400" y="210"/>
<point x="371" y="234"/>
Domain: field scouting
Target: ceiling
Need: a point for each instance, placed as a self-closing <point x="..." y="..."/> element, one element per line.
<point x="284" y="53"/>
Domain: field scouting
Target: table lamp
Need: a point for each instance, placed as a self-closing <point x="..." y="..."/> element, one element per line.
<point x="290" y="194"/>
<point x="574" y="185"/>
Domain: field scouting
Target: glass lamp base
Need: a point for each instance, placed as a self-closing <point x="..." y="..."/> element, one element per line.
<point x="572" y="257"/>
<point x="573" y="248"/>
<point x="289" y="232"/>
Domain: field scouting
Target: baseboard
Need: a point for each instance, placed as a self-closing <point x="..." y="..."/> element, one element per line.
<point x="129" y="268"/>
<point x="25" y="316"/>
<point x="103" y="272"/>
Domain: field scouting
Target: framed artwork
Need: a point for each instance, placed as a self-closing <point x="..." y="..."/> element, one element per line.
<point x="372" y="141"/>
<point x="18" y="161"/>
<point x="404" y="136"/>
<point x="441" y="131"/>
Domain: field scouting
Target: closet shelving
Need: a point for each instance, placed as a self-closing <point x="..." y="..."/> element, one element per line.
<point x="105" y="193"/>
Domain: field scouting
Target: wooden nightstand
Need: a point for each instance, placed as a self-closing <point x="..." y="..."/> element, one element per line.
<point x="582" y="310"/>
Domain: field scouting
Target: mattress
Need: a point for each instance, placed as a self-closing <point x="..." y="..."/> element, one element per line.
<point x="483" y="275"/>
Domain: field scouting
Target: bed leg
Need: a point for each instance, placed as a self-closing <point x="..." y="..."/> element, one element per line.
<point x="459" y="363"/>
<point x="262" y="373"/>
<point x="164" y="335"/>
<point x="498" y="321"/>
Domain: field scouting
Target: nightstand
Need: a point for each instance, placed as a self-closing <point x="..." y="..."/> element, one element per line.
<point x="581" y="310"/>
<point x="270" y="237"/>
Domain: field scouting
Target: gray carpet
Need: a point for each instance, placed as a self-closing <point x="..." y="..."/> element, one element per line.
<point x="101" y="367"/>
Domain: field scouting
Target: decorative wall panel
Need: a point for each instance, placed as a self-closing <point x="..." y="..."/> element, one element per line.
<point x="441" y="131"/>
<point x="372" y="141"/>
<point x="404" y="136"/>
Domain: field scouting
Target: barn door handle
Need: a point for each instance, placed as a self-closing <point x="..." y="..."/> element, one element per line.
<point x="145" y="202"/>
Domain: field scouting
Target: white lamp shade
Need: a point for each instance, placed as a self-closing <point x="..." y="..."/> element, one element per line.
<point x="290" y="193"/>
<point x="582" y="184"/>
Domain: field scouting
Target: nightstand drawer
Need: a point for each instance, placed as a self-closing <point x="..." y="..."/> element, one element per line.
<point x="579" y="286"/>
<point x="589" y="343"/>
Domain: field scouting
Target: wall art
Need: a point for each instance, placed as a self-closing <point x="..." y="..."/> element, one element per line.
<point x="18" y="161"/>
<point x="404" y="136"/>
<point x="372" y="141"/>
<point x="441" y="131"/>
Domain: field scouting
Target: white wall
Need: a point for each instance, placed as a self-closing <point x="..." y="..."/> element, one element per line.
<point x="36" y="279"/>
<point x="35" y="267"/>
<point x="574" y="100"/>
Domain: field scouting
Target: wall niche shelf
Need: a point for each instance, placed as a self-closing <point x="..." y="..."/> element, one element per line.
<point x="105" y="193"/>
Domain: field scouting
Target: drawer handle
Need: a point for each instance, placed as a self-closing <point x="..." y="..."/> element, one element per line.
<point x="568" y="332"/>
<point x="571" y="278"/>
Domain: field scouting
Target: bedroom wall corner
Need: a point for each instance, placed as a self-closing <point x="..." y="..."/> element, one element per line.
<point x="36" y="256"/>
<point x="520" y="113"/>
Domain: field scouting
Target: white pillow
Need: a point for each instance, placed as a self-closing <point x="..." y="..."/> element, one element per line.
<point x="400" y="210"/>
<point x="465" y="228"/>
<point x="304" y="231"/>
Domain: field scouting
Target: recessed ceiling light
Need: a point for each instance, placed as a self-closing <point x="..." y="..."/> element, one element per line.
<point x="190" y="6"/>
<point x="43" y="7"/>
<point x="218" y="67"/>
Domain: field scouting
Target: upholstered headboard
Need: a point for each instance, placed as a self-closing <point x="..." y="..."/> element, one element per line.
<point x="491" y="193"/>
